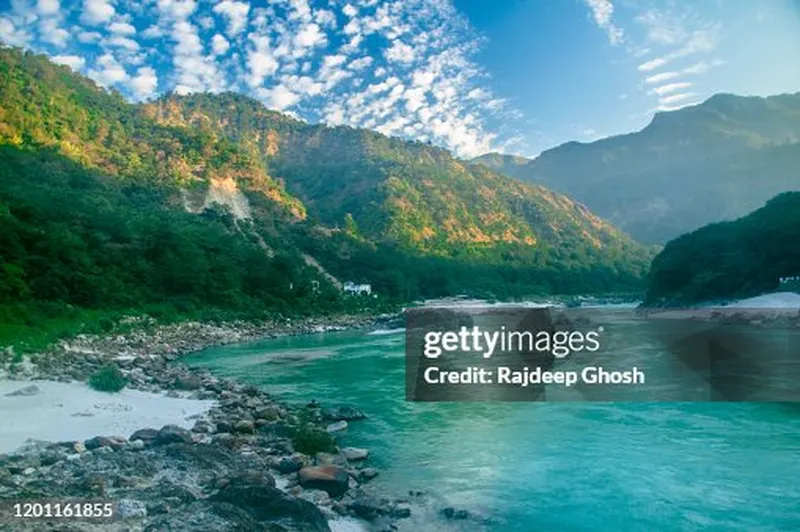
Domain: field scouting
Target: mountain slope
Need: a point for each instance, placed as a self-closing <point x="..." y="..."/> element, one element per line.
<point x="714" y="161"/>
<point x="741" y="258"/>
<point x="48" y="105"/>
<point x="281" y="203"/>
<point x="412" y="194"/>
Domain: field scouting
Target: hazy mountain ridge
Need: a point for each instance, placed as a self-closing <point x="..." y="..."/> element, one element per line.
<point x="714" y="161"/>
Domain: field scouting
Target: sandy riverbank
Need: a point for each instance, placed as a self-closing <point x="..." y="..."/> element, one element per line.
<point x="72" y="411"/>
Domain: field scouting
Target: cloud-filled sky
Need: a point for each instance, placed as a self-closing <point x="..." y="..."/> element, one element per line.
<point x="471" y="75"/>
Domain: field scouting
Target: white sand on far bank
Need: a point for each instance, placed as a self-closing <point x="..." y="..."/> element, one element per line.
<point x="775" y="300"/>
<point x="74" y="411"/>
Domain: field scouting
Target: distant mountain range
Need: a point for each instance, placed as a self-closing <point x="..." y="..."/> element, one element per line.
<point x="714" y="161"/>
<point x="213" y="200"/>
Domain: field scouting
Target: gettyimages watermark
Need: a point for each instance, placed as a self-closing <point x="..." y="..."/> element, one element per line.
<point x="549" y="354"/>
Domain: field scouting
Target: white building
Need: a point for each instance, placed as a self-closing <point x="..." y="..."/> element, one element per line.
<point x="353" y="288"/>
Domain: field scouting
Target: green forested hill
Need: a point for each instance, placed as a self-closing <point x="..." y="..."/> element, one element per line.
<point x="741" y="258"/>
<point x="409" y="193"/>
<point x="715" y="161"/>
<point x="214" y="202"/>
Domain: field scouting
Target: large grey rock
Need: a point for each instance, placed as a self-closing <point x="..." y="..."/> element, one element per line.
<point x="145" y="435"/>
<point x="337" y="426"/>
<point x="172" y="434"/>
<point x="114" y="442"/>
<point x="267" y="504"/>
<point x="355" y="453"/>
<point x="289" y="464"/>
<point x="330" y="478"/>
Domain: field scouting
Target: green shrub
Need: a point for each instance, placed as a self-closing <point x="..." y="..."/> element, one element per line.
<point x="310" y="439"/>
<point x="108" y="379"/>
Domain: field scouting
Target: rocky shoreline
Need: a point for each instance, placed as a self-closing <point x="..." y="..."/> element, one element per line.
<point x="236" y="469"/>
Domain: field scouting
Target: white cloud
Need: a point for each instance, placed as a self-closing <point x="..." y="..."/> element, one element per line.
<point x="663" y="28"/>
<point x="349" y="10"/>
<point x="279" y="98"/>
<point x="304" y="85"/>
<point x="310" y="36"/>
<point x="177" y="9"/>
<point x="261" y="61"/>
<point x="52" y="33"/>
<point x="194" y="72"/>
<point x="671" y="87"/>
<point x="325" y="18"/>
<point x="73" y="61"/>
<point x="478" y="93"/>
<point x="662" y="76"/>
<point x="122" y="28"/>
<point x="400" y="52"/>
<point x="415" y="99"/>
<point x="219" y="45"/>
<point x="702" y="67"/>
<point x="97" y="11"/>
<point x="236" y="13"/>
<point x="700" y="41"/>
<point x="48" y="7"/>
<point x="403" y="67"/>
<point x="153" y="32"/>
<point x="602" y="13"/>
<point x="108" y="71"/>
<point x="144" y="83"/>
<point x="118" y="41"/>
<point x="674" y="98"/>
<point x="360" y="63"/>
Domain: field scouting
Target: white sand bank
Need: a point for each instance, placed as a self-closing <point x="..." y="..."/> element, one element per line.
<point x="775" y="300"/>
<point x="73" y="411"/>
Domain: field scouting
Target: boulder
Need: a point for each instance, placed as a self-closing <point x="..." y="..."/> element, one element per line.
<point x="145" y="435"/>
<point x="368" y="508"/>
<point x="337" y="427"/>
<point x="202" y="426"/>
<point x="244" y="426"/>
<point x="187" y="382"/>
<point x="289" y="464"/>
<point x="330" y="478"/>
<point x="355" y="453"/>
<point x="368" y="473"/>
<point x="114" y="442"/>
<point x="267" y="504"/>
<point x="172" y="434"/>
<point x="268" y="413"/>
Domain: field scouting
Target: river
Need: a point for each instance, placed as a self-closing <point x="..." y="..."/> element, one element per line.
<point x="541" y="466"/>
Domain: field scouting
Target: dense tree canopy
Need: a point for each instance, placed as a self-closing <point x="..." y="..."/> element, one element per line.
<point x="730" y="259"/>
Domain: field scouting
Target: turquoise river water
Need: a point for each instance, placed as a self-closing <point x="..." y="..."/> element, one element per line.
<point x="541" y="466"/>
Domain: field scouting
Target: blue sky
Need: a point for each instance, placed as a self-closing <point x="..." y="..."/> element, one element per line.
<point x="471" y="75"/>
